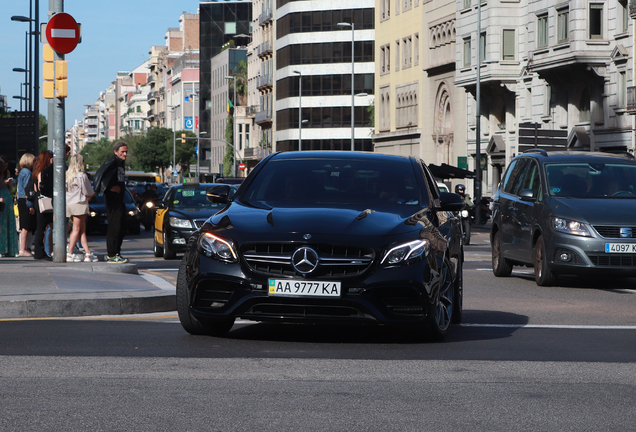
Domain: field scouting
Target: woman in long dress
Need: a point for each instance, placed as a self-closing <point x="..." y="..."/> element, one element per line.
<point x="8" y="232"/>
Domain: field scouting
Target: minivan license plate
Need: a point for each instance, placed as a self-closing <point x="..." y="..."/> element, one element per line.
<point x="303" y="288"/>
<point x="620" y="247"/>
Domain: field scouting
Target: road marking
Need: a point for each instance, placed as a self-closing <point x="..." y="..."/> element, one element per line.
<point x="158" y="282"/>
<point x="551" y="326"/>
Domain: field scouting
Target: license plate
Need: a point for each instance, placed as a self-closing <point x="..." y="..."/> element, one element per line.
<point x="620" y="247"/>
<point x="303" y="288"/>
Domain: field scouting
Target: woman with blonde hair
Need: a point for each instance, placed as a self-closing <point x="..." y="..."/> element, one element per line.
<point x="25" y="208"/>
<point x="78" y="192"/>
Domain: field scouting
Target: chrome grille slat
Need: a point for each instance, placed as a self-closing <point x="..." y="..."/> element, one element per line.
<point x="199" y="223"/>
<point x="613" y="232"/>
<point x="335" y="261"/>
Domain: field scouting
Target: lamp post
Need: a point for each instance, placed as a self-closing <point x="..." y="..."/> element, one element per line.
<point x="233" y="124"/>
<point x="300" y="109"/>
<point x="34" y="68"/>
<point x="344" y="24"/>
<point x="174" y="140"/>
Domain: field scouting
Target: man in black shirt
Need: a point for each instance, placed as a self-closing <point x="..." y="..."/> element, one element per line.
<point x="111" y="181"/>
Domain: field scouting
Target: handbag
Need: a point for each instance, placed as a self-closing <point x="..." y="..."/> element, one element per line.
<point x="45" y="204"/>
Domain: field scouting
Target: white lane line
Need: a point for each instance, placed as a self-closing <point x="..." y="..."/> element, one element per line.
<point x="165" y="269"/>
<point x="551" y="326"/>
<point x="158" y="282"/>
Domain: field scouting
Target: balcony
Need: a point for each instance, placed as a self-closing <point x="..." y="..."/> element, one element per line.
<point x="265" y="17"/>
<point x="264" y="82"/>
<point x="631" y="100"/>
<point x="252" y="110"/>
<point x="151" y="97"/>
<point x="264" y="49"/>
<point x="263" y="117"/>
<point x="255" y="153"/>
<point x="632" y="9"/>
<point x="151" y="114"/>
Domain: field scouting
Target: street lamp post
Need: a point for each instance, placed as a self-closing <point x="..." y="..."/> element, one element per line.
<point x="174" y="140"/>
<point x="300" y="109"/>
<point x="344" y="24"/>
<point x="233" y="124"/>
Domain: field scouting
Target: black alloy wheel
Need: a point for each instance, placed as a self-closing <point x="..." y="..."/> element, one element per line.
<point x="543" y="276"/>
<point x="443" y="304"/>
<point x="466" y="231"/>
<point x="189" y="322"/>
<point x="501" y="267"/>
<point x="458" y="299"/>
<point x="158" y="250"/>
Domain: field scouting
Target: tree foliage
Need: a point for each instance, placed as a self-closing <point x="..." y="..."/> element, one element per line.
<point x="95" y="154"/>
<point x="240" y="74"/>
<point x="228" y="159"/>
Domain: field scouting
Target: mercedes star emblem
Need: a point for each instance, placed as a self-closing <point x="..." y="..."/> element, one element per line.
<point x="305" y="260"/>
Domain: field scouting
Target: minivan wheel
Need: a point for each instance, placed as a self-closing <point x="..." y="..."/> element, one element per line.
<point x="443" y="304"/>
<point x="501" y="267"/>
<point x="543" y="276"/>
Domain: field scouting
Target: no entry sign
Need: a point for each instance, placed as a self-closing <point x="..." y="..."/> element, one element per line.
<point x="62" y="33"/>
<point x="241" y="166"/>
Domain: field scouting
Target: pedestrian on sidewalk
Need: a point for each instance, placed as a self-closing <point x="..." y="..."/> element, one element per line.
<point x="43" y="184"/>
<point x="110" y="180"/>
<point x="8" y="232"/>
<point x="78" y="192"/>
<point x="28" y="221"/>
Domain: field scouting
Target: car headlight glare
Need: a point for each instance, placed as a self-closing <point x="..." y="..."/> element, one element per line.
<point x="570" y="227"/>
<point x="465" y="214"/>
<point x="217" y="247"/>
<point x="180" y="223"/>
<point x="406" y="252"/>
<point x="133" y="212"/>
<point x="150" y="204"/>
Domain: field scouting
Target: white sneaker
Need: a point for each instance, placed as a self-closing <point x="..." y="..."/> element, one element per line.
<point x="91" y="257"/>
<point x="73" y="258"/>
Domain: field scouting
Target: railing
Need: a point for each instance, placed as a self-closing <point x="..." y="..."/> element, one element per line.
<point x="264" y="81"/>
<point x="264" y="49"/>
<point x="631" y="100"/>
<point x="265" y="17"/>
<point x="252" y="110"/>
<point x="255" y="153"/>
<point x="264" y="116"/>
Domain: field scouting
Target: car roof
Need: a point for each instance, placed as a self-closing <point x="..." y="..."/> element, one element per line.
<point x="347" y="155"/>
<point x="578" y="156"/>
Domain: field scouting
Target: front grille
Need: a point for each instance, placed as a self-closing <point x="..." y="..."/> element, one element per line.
<point x="613" y="231"/>
<point x="335" y="261"/>
<point x="612" y="260"/>
<point x="199" y="223"/>
<point x="303" y="311"/>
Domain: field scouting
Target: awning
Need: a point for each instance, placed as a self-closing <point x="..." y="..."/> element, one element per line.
<point x="446" y="171"/>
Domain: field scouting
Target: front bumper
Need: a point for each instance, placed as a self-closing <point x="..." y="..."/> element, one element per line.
<point x="399" y="295"/>
<point x="569" y="254"/>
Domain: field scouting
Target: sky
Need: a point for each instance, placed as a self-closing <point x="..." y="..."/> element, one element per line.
<point x="116" y="36"/>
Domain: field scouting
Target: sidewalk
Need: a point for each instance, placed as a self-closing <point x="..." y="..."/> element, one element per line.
<point x="43" y="289"/>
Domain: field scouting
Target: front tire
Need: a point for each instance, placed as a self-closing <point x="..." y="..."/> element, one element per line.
<point x="543" y="276"/>
<point x="189" y="322"/>
<point x="466" y="231"/>
<point x="501" y="267"/>
<point x="168" y="254"/>
<point x="443" y="304"/>
<point x="458" y="299"/>
<point x="158" y="250"/>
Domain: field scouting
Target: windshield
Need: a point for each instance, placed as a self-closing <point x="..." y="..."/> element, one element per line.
<point x="191" y="198"/>
<point x="336" y="183"/>
<point x="99" y="199"/>
<point x="592" y="180"/>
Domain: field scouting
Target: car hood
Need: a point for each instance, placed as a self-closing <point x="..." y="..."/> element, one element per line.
<point x="199" y="214"/>
<point x="605" y="211"/>
<point x="328" y="221"/>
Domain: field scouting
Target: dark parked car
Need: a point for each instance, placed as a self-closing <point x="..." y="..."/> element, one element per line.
<point x="327" y="237"/>
<point x="566" y="213"/>
<point x="184" y="209"/>
<point x="96" y="220"/>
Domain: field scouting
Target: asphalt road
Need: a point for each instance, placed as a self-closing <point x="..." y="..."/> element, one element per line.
<point x="525" y="358"/>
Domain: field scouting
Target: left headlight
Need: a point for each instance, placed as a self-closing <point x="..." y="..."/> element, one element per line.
<point x="570" y="227"/>
<point x="217" y="247"/>
<point x="133" y="212"/>
<point x="405" y="252"/>
<point x="180" y="223"/>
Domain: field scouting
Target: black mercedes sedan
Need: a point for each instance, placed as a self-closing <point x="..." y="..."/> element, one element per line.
<point x="327" y="237"/>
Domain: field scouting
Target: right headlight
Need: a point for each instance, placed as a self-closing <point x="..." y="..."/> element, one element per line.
<point x="217" y="247"/>
<point x="180" y="223"/>
<point x="570" y="227"/>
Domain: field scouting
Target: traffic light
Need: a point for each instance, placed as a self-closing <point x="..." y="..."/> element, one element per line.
<point x="183" y="138"/>
<point x="54" y="74"/>
<point x="48" y="72"/>
<point x="87" y="167"/>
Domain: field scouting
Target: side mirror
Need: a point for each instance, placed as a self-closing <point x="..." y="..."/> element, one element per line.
<point x="160" y="205"/>
<point x="219" y="194"/>
<point x="449" y="201"/>
<point x="527" y="195"/>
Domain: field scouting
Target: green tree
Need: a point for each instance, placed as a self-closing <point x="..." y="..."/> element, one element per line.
<point x="96" y="153"/>
<point x="185" y="152"/>
<point x="152" y="151"/>
<point x="371" y="111"/>
<point x="240" y="74"/>
<point x="228" y="159"/>
<point x="44" y="127"/>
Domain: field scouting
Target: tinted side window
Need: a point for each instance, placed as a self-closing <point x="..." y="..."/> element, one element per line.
<point x="533" y="180"/>
<point x="515" y="179"/>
